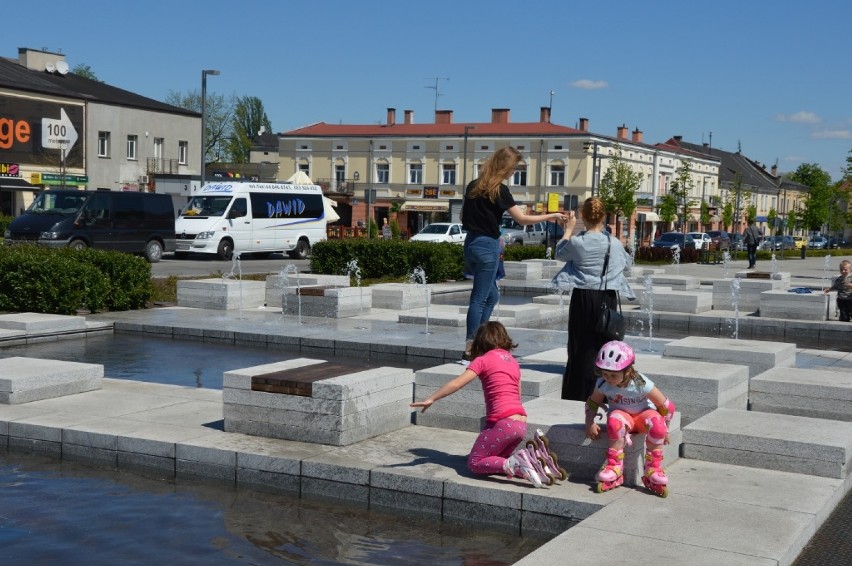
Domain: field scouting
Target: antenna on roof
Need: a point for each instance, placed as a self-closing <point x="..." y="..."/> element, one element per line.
<point x="435" y="88"/>
<point x="62" y="67"/>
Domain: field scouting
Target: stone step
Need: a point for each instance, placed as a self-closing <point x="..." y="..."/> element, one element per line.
<point x="823" y="394"/>
<point x="34" y="322"/>
<point x="23" y="380"/>
<point x="786" y="443"/>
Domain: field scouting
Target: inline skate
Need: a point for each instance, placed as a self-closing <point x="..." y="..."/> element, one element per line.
<point x="654" y="477"/>
<point x="521" y="465"/>
<point x="611" y="473"/>
<point x="539" y="449"/>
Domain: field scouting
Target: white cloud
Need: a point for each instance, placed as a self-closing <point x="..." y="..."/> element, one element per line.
<point x="801" y="117"/>
<point x="587" y="84"/>
<point x="832" y="135"/>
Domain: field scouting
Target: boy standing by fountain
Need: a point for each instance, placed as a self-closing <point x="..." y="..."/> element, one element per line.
<point x="843" y="285"/>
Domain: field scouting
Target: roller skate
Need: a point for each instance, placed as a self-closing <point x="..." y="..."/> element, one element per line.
<point x="538" y="448"/>
<point x="654" y="477"/>
<point x="521" y="465"/>
<point x="611" y="474"/>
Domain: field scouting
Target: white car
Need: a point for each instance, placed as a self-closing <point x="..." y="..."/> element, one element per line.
<point x="702" y="240"/>
<point x="441" y="232"/>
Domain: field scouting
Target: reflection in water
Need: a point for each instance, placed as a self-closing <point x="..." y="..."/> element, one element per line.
<point x="96" y="516"/>
<point x="160" y="360"/>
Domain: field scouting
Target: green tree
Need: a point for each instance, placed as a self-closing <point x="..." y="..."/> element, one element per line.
<point x="668" y="208"/>
<point x="819" y="199"/>
<point x="772" y="217"/>
<point x="217" y="123"/>
<point x="618" y="188"/>
<point x="680" y="190"/>
<point x="248" y="121"/>
<point x="728" y="214"/>
<point x="85" y="71"/>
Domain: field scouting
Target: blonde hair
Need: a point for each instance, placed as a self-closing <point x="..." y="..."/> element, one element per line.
<point x="594" y="211"/>
<point x="494" y="171"/>
<point x="490" y="336"/>
<point x="628" y="374"/>
<point x="846" y="262"/>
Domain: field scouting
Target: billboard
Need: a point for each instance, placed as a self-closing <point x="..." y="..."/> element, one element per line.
<point x="39" y="132"/>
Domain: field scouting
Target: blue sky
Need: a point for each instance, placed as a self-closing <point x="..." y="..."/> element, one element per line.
<point x="771" y="77"/>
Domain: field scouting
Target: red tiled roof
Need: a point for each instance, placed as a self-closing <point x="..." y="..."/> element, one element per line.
<point x="321" y="129"/>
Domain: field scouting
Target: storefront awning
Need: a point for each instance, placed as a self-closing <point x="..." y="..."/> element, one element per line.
<point x="425" y="206"/>
<point x="651" y="216"/>
<point x="761" y="219"/>
<point x="715" y="218"/>
<point x="16" y="184"/>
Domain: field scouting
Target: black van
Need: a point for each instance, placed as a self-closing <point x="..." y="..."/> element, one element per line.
<point x="135" y="222"/>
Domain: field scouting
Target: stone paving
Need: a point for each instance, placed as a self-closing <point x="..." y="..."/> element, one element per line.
<point x="725" y="506"/>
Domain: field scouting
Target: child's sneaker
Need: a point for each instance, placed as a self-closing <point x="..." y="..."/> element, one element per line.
<point x="518" y="464"/>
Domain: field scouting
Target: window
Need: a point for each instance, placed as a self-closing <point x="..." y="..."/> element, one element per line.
<point x="519" y="179"/>
<point x="183" y="152"/>
<point x="448" y="174"/>
<point x="131" y="146"/>
<point x="382" y="173"/>
<point x="339" y="175"/>
<point x="103" y="144"/>
<point x="305" y="168"/>
<point x="557" y="175"/>
<point x="415" y="174"/>
<point x="158" y="147"/>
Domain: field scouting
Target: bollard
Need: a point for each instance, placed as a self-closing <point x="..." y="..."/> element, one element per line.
<point x="804" y="249"/>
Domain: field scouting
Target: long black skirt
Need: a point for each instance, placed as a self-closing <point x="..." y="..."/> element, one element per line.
<point x="583" y="341"/>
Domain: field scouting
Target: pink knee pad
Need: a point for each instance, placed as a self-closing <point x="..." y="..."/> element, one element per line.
<point x="657" y="430"/>
<point x="615" y="429"/>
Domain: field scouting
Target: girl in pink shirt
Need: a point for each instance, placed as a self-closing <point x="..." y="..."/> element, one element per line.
<point x="505" y="417"/>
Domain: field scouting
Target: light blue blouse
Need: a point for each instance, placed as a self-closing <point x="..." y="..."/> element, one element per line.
<point x="584" y="256"/>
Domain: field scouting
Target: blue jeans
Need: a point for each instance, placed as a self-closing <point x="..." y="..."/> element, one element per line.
<point x="481" y="256"/>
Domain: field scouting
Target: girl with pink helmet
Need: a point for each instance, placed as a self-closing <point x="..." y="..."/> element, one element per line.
<point x="633" y="406"/>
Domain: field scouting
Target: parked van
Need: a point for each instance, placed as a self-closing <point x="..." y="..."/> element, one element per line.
<point x="246" y="217"/>
<point x="135" y="222"/>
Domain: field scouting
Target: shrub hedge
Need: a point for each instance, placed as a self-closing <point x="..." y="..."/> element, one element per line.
<point x="61" y="281"/>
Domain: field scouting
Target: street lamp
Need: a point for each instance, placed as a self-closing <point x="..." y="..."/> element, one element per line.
<point x="204" y="74"/>
<point x="464" y="159"/>
<point x="586" y="147"/>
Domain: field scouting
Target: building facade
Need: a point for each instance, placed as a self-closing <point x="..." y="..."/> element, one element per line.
<point x="60" y="129"/>
<point x="419" y="171"/>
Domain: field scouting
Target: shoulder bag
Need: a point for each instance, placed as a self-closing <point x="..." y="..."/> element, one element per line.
<point x="610" y="322"/>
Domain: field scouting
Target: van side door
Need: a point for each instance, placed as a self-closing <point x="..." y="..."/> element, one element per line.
<point x="128" y="221"/>
<point x="239" y="225"/>
<point x="95" y="224"/>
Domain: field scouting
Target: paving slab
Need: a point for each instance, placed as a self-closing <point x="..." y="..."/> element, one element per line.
<point x="758" y="355"/>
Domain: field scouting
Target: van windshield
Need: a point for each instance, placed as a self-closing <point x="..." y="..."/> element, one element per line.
<point x="207" y="206"/>
<point x="57" y="203"/>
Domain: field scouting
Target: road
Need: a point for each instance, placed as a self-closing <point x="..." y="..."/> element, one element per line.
<point x="202" y="266"/>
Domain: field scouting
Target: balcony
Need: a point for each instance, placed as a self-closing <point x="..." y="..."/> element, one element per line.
<point x="161" y="166"/>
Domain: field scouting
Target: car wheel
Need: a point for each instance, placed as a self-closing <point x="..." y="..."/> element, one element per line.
<point x="301" y="250"/>
<point x="78" y="245"/>
<point x="153" y="251"/>
<point x="225" y="250"/>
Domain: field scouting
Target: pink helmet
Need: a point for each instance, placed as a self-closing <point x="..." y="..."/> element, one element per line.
<point x="615" y="356"/>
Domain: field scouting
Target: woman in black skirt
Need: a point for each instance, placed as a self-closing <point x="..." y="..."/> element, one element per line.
<point x="584" y="255"/>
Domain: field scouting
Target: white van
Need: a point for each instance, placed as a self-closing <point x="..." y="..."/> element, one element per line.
<point x="246" y="217"/>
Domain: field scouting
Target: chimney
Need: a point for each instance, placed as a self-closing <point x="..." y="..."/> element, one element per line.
<point x="774" y="170"/>
<point x="637" y="136"/>
<point x="545" y="114"/>
<point x="499" y="115"/>
<point x="409" y="116"/>
<point x="391" y="116"/>
<point x="584" y="124"/>
<point x="443" y="116"/>
<point x="678" y="139"/>
<point x="622" y="132"/>
<point x="38" y="59"/>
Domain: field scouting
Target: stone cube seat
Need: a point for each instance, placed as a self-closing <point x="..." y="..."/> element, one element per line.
<point x="327" y="301"/>
<point x="692" y="302"/>
<point x="400" y="296"/>
<point x="796" y="306"/>
<point x="757" y="355"/>
<point x="316" y="401"/>
<point x="823" y="394"/>
<point x="748" y="295"/>
<point x="788" y="443"/>
<point x="275" y="284"/>
<point x="523" y="270"/>
<point x="35" y="322"/>
<point x="221" y="294"/>
<point x="465" y="409"/>
<point x="677" y="282"/>
<point x="23" y="380"/>
<point x="563" y="422"/>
